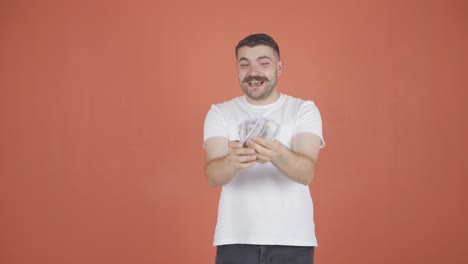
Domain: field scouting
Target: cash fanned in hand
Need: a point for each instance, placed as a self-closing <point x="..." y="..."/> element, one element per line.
<point x="259" y="127"/>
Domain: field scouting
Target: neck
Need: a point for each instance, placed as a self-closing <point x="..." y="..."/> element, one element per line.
<point x="265" y="101"/>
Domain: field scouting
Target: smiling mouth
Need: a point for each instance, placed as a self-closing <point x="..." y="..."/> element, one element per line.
<point x="255" y="81"/>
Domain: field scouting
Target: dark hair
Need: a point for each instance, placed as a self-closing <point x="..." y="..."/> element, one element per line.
<point x="258" y="39"/>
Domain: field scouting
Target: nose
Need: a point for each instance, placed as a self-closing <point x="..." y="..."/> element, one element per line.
<point x="253" y="70"/>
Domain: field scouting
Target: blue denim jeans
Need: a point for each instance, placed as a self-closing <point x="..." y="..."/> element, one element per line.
<point x="262" y="254"/>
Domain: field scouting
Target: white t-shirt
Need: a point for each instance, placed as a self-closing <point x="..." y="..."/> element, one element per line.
<point x="261" y="205"/>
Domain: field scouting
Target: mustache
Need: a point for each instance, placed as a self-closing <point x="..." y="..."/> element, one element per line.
<point x="256" y="78"/>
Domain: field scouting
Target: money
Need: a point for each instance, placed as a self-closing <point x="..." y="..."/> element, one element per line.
<point x="260" y="127"/>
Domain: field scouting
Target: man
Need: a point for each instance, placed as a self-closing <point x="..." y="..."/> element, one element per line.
<point x="265" y="212"/>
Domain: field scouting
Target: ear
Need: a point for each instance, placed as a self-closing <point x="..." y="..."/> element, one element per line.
<point x="279" y="67"/>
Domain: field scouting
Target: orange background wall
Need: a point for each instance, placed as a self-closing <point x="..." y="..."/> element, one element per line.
<point x="102" y="105"/>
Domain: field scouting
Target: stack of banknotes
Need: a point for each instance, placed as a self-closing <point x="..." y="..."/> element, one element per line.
<point x="259" y="127"/>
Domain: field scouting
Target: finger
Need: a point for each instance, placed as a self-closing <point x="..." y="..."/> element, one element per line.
<point x="242" y="162"/>
<point x="243" y="151"/>
<point x="263" y="158"/>
<point x="246" y="165"/>
<point x="260" y="141"/>
<point x="245" y="158"/>
<point x="235" y="144"/>
<point x="258" y="148"/>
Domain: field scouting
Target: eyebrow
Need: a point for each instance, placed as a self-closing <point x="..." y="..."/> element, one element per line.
<point x="263" y="57"/>
<point x="259" y="58"/>
<point x="243" y="59"/>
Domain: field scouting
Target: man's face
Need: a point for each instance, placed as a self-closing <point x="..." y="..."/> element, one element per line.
<point x="258" y="69"/>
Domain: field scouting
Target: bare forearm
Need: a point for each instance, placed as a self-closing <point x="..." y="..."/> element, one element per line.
<point x="298" y="167"/>
<point x="219" y="171"/>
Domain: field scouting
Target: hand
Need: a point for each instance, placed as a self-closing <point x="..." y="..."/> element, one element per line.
<point x="241" y="157"/>
<point x="265" y="150"/>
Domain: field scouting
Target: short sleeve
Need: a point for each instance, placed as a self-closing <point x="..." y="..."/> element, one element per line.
<point x="215" y="125"/>
<point x="309" y="120"/>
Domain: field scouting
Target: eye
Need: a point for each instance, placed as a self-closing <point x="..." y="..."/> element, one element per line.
<point x="264" y="63"/>
<point x="244" y="64"/>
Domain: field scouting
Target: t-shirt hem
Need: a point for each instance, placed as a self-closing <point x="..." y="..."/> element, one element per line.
<point x="300" y="243"/>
